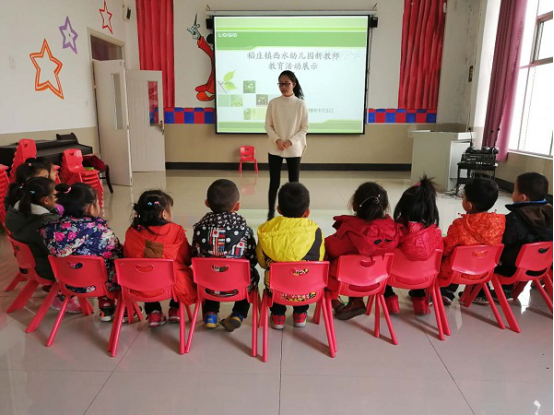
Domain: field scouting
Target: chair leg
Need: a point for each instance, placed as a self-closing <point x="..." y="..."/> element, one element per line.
<point x="85" y="306"/>
<point x="547" y="285"/>
<point x="256" y="166"/>
<point x="240" y="167"/>
<point x="442" y="311"/>
<point x="58" y="321"/>
<point x="108" y="181"/>
<point x="473" y="292"/>
<point x="317" y="313"/>
<point x="505" y="305"/>
<point x="119" y="304"/>
<point x="331" y="320"/>
<point x="377" y="328"/>
<point x="117" y="329"/>
<point x="437" y="311"/>
<point x="189" y="312"/>
<point x="388" y="320"/>
<point x="328" y="327"/>
<point x="44" y="307"/>
<point x="543" y="293"/>
<point x="265" y="322"/>
<point x="193" y="324"/>
<point x="369" y="305"/>
<point x="138" y="311"/>
<point x="493" y="305"/>
<point x="16" y="280"/>
<point x="182" y="330"/>
<point x="254" y="301"/>
<point x="23" y="296"/>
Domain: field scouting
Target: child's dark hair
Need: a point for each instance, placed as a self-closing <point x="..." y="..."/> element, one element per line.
<point x="33" y="191"/>
<point x="297" y="90"/>
<point x="149" y="208"/>
<point x="370" y="201"/>
<point x="418" y="204"/>
<point x="294" y="200"/>
<point x="533" y="185"/>
<point x="76" y="198"/>
<point x="481" y="193"/>
<point x="223" y="195"/>
<point x="24" y="172"/>
<point x="41" y="163"/>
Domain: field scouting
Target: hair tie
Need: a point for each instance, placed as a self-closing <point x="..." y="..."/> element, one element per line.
<point x="417" y="184"/>
<point x="68" y="190"/>
<point x="149" y="203"/>
<point x="157" y="203"/>
<point x="29" y="164"/>
<point x="32" y="192"/>
<point x="375" y="201"/>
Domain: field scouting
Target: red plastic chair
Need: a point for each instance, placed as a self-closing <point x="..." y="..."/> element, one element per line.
<point x="137" y="276"/>
<point x="72" y="171"/>
<point x="26" y="263"/>
<point x="298" y="278"/>
<point x="533" y="264"/>
<point x="4" y="185"/>
<point x="247" y="154"/>
<point x="26" y="148"/>
<point x="227" y="276"/>
<point x="79" y="271"/>
<point x="361" y="276"/>
<point x="473" y="266"/>
<point x="414" y="275"/>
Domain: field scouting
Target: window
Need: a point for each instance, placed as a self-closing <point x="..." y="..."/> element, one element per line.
<point x="532" y="120"/>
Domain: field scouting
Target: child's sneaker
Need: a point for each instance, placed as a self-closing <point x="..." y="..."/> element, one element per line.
<point x="135" y="316"/>
<point x="392" y="304"/>
<point x="278" y="322"/>
<point x="211" y="320"/>
<point x="300" y="319"/>
<point x="233" y="322"/>
<point x="421" y="306"/>
<point x="72" y="308"/>
<point x="107" y="309"/>
<point x="156" y="319"/>
<point x="173" y="315"/>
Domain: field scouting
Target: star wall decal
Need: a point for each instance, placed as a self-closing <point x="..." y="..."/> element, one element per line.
<point x="42" y="62"/>
<point x="106" y="16"/>
<point x="69" y="35"/>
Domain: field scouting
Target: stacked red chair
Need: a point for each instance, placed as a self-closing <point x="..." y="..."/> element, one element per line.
<point x="72" y="171"/>
<point x="26" y="148"/>
<point x="4" y="184"/>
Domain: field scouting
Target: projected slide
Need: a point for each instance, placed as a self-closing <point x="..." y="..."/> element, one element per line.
<point x="328" y="54"/>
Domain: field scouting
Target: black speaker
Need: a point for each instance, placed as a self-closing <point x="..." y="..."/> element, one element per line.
<point x="373" y="21"/>
<point x="210" y="23"/>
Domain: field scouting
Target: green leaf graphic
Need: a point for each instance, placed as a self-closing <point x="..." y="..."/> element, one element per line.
<point x="229" y="86"/>
<point x="228" y="76"/>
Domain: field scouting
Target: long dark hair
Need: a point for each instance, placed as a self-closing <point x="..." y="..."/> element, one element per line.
<point x="76" y="198"/>
<point x="33" y="191"/>
<point x="297" y="90"/>
<point x="149" y="209"/>
<point x="370" y="201"/>
<point x="24" y="172"/>
<point x="418" y="204"/>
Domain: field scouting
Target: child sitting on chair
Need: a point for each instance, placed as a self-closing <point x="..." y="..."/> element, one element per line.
<point x="477" y="226"/>
<point x="223" y="233"/>
<point x="82" y="231"/>
<point x="291" y="237"/>
<point x="154" y="235"/>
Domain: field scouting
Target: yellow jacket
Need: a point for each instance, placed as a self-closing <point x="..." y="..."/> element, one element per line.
<point x="289" y="240"/>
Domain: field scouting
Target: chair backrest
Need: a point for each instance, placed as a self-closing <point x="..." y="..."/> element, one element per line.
<point x="138" y="276"/>
<point x="534" y="260"/>
<point x="225" y="275"/>
<point x="4" y="185"/>
<point x="297" y="279"/>
<point x="247" y="151"/>
<point x="25" y="259"/>
<point x="80" y="271"/>
<point x="476" y="260"/>
<point x="413" y="275"/>
<point x="73" y="158"/>
<point x="26" y="148"/>
<point x="362" y="275"/>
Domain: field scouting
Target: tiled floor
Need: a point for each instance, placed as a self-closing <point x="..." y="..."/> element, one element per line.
<point x="480" y="369"/>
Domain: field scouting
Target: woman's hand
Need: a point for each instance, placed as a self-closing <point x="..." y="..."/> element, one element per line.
<point x="287" y="144"/>
<point x="280" y="145"/>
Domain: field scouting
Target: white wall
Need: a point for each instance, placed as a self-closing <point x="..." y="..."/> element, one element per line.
<point x="23" y="26"/>
<point x="192" y="66"/>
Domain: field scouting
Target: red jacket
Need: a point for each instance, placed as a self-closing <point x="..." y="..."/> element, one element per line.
<point x="417" y="242"/>
<point x="473" y="229"/>
<point x="355" y="236"/>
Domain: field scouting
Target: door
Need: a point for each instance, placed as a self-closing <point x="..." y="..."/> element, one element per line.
<point x="113" y="119"/>
<point x="145" y="98"/>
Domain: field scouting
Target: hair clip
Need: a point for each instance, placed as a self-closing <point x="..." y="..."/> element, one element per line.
<point x="417" y="184"/>
<point x="32" y="192"/>
<point x="375" y="201"/>
<point x="157" y="203"/>
<point x="68" y="190"/>
<point x="21" y="187"/>
<point x="149" y="203"/>
<point x="30" y="164"/>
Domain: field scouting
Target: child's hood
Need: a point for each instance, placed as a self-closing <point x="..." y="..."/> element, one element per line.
<point x="160" y="240"/>
<point x="287" y="239"/>
<point x="17" y="221"/>
<point x="484" y="227"/>
<point x="384" y="227"/>
<point x="418" y="242"/>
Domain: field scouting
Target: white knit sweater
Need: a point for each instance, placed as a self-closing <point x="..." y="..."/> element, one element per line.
<point x="287" y="119"/>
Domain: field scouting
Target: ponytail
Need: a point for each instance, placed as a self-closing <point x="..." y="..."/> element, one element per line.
<point x="23" y="173"/>
<point x="33" y="192"/>
<point x="419" y="204"/>
<point x="76" y="198"/>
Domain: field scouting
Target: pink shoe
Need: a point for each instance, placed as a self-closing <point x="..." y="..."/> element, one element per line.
<point x="173" y="315"/>
<point x="278" y="322"/>
<point x="72" y="308"/>
<point x="421" y="306"/>
<point x="300" y="319"/>
<point x="392" y="304"/>
<point x="156" y="319"/>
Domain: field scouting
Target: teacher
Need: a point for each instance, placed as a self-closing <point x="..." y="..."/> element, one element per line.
<point x="286" y="124"/>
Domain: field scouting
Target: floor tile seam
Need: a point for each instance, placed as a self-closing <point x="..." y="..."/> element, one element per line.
<point x="313" y="375"/>
<point x="280" y="373"/>
<point x="56" y="370"/>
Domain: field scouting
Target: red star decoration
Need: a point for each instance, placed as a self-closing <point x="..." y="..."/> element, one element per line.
<point x="41" y="86"/>
<point x="106" y="15"/>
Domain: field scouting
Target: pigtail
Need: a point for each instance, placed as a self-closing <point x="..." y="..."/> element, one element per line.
<point x="33" y="192"/>
<point x="418" y="204"/>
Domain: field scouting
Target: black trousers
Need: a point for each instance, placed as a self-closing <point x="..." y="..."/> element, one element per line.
<point x="241" y="307"/>
<point x="281" y="310"/>
<point x="149" y="307"/>
<point x="275" y="164"/>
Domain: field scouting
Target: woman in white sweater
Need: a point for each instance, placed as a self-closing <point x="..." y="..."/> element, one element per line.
<point x="286" y="124"/>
